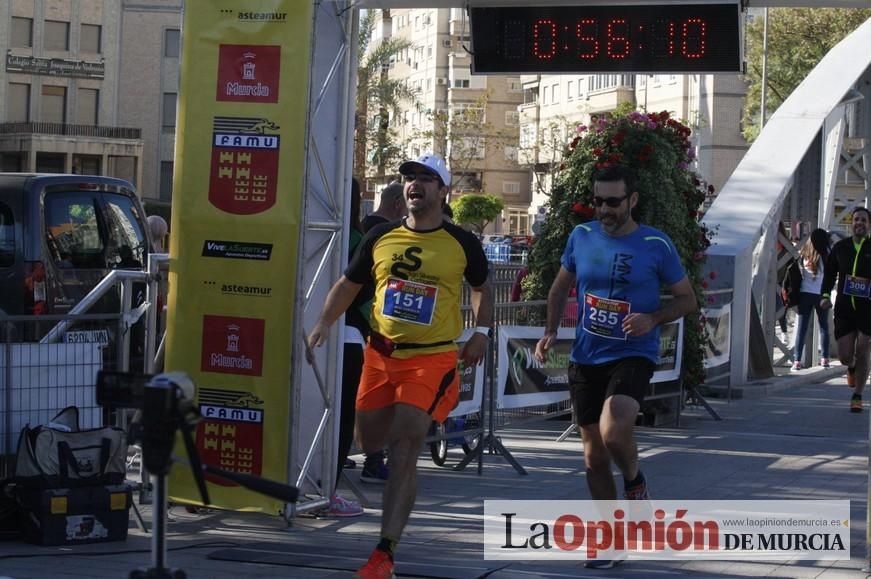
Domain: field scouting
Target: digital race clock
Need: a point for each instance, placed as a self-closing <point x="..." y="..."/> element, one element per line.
<point x="702" y="38"/>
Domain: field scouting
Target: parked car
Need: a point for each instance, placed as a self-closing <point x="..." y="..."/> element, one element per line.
<point x="61" y="234"/>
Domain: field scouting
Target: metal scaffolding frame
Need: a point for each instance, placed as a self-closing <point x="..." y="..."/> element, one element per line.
<point x="324" y="243"/>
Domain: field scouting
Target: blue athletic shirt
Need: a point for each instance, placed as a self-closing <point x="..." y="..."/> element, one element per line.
<point x="617" y="276"/>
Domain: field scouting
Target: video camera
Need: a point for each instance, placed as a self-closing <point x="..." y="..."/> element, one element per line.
<point x="165" y="404"/>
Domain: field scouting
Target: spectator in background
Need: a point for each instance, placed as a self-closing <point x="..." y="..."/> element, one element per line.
<point x="517" y="288"/>
<point x="356" y="332"/>
<point x="570" y="314"/>
<point x="158" y="229"/>
<point x="391" y="207"/>
<point x="781" y="301"/>
<point x="447" y="212"/>
<point x="812" y="257"/>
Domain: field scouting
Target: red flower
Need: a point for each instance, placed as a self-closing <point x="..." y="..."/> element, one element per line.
<point x="705" y="284"/>
<point x="597" y="152"/>
<point x="713" y="275"/>
<point x="584" y="211"/>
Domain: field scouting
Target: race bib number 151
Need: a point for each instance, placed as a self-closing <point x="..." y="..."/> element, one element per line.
<point x="409" y="301"/>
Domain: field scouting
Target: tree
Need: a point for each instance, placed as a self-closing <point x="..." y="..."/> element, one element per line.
<point x="547" y="148"/>
<point x="375" y="143"/>
<point x="464" y="133"/>
<point x="798" y="38"/>
<point x="477" y="210"/>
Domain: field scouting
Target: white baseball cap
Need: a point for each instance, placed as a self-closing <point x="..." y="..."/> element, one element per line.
<point x="430" y="162"/>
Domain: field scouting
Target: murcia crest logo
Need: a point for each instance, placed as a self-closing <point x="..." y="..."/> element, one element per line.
<point x="233" y="345"/>
<point x="248" y="73"/>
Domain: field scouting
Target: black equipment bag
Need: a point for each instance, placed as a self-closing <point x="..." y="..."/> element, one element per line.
<point x="61" y="455"/>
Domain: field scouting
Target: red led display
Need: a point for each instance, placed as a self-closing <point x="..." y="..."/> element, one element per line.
<point x="702" y="38"/>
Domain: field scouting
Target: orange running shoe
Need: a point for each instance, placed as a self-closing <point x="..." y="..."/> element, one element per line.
<point x="856" y="403"/>
<point x="379" y="566"/>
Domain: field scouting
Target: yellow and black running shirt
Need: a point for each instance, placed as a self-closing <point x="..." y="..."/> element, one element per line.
<point x="418" y="278"/>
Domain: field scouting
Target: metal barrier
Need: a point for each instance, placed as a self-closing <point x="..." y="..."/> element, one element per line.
<point x="49" y="362"/>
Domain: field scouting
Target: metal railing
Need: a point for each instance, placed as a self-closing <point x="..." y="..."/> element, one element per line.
<point x="49" y="362"/>
<point x="44" y="128"/>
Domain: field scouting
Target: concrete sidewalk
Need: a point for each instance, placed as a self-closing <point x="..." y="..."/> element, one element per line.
<point x="796" y="440"/>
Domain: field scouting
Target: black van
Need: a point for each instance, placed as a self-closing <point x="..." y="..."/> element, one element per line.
<point x="61" y="234"/>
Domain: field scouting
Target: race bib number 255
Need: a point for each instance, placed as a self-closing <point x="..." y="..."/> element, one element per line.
<point x="604" y="317"/>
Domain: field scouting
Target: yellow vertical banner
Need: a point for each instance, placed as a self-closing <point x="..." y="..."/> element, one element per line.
<point x="236" y="217"/>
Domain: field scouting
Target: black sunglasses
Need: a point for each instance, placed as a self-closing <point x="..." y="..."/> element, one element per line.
<point x="609" y="201"/>
<point x="419" y="177"/>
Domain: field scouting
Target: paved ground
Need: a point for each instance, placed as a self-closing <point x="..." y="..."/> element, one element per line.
<point x="795" y="439"/>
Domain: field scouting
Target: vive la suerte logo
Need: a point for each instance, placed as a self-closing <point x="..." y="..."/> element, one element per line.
<point x="523" y="359"/>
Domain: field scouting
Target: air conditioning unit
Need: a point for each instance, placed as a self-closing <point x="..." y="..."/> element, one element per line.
<point x="446" y="42"/>
<point x="442" y="80"/>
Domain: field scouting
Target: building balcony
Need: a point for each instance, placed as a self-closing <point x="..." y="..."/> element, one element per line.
<point x="527" y="156"/>
<point x="66" y="148"/>
<point x="68" y="130"/>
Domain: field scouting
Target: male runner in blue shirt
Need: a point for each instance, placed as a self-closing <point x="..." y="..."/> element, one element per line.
<point x="619" y="267"/>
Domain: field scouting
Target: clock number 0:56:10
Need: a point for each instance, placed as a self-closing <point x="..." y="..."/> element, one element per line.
<point x="688" y="39"/>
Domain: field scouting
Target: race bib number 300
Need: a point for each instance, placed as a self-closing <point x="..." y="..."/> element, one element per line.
<point x="409" y="301"/>
<point x="604" y="317"/>
<point x="857" y="286"/>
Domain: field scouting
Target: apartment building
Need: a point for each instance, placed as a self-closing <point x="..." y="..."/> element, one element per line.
<point x="149" y="54"/>
<point x="90" y="88"/>
<point x="555" y="104"/>
<point x="59" y="96"/>
<point x="438" y="67"/>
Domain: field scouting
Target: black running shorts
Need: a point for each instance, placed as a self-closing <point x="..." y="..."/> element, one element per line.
<point x="860" y="322"/>
<point x="591" y="385"/>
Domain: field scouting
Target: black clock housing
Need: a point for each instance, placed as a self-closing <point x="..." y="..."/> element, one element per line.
<point x="639" y="38"/>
